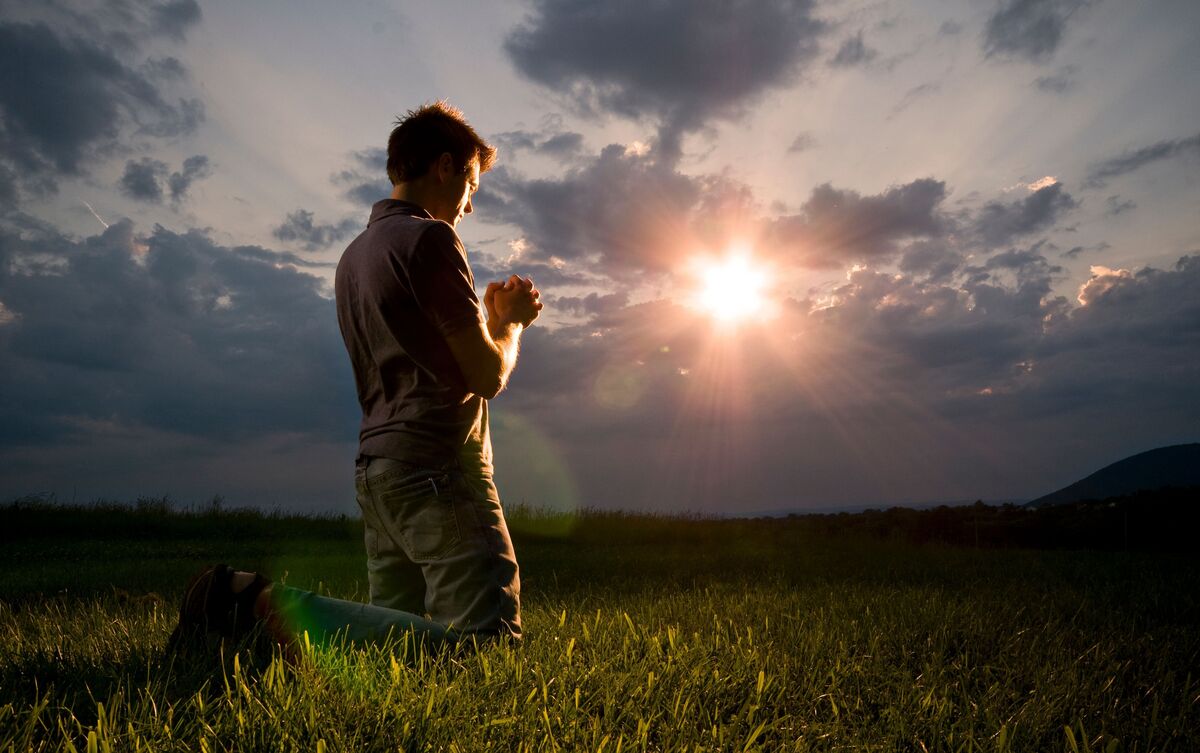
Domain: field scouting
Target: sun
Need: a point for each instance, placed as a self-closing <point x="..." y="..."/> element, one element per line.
<point x="731" y="289"/>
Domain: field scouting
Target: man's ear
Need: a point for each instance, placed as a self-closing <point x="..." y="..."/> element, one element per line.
<point x="445" y="167"/>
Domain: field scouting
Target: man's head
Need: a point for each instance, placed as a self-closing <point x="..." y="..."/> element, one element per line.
<point x="435" y="158"/>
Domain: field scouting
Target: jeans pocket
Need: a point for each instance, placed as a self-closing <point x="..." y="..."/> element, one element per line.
<point x="421" y="515"/>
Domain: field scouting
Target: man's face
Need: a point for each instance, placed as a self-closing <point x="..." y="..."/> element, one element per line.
<point x="459" y="189"/>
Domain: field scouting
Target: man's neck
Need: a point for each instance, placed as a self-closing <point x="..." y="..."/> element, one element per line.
<point x="413" y="195"/>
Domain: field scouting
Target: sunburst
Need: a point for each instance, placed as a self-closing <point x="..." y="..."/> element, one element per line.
<point x="731" y="289"/>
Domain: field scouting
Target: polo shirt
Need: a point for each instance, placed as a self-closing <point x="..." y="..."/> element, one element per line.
<point x="402" y="287"/>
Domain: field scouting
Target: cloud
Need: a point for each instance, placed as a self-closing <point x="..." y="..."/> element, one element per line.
<point x="1116" y="205"/>
<point x="1061" y="82"/>
<point x="6" y="316"/>
<point x="802" y="143"/>
<point x="8" y="186"/>
<point x="999" y="223"/>
<point x="300" y="228"/>
<point x="936" y="260"/>
<point x="983" y="370"/>
<point x="1075" y="251"/>
<point x="853" y="52"/>
<point x="121" y="25"/>
<point x="194" y="168"/>
<point x="145" y="178"/>
<point x="1101" y="172"/>
<point x="836" y="227"/>
<point x="1028" y="29"/>
<point x="913" y="95"/>
<point x="173" y="18"/>
<point x="365" y="181"/>
<point x="892" y="387"/>
<point x="69" y="100"/>
<point x="165" y="332"/>
<point x="562" y="144"/>
<point x="1150" y="314"/>
<point x="677" y="62"/>
<point x="592" y="304"/>
<point x="1031" y="270"/>
<point x="551" y="139"/>
<point x="621" y="212"/>
<point x="142" y="179"/>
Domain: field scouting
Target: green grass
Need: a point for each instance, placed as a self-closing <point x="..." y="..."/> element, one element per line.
<point x="643" y="633"/>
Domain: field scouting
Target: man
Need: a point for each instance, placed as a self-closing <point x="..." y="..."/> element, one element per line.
<point x="425" y="364"/>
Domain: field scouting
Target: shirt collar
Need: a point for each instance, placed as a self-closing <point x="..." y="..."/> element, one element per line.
<point x="388" y="207"/>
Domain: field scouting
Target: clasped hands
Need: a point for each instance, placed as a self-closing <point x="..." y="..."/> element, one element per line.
<point x="514" y="301"/>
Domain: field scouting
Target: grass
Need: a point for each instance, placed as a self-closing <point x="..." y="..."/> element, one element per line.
<point x="643" y="633"/>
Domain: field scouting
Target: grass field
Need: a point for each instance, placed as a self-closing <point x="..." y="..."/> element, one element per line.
<point x="643" y="634"/>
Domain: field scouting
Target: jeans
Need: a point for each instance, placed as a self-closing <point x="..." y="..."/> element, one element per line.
<point x="329" y="620"/>
<point x="437" y="545"/>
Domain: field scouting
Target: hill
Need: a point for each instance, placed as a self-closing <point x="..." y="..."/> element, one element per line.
<point x="1177" y="466"/>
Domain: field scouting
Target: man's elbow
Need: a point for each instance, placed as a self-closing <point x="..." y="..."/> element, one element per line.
<point x="488" y="381"/>
<point x="489" y="389"/>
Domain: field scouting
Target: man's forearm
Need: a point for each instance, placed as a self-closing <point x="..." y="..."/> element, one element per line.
<point x="507" y="338"/>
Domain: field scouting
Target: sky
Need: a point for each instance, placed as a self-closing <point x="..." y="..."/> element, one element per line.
<point x="794" y="255"/>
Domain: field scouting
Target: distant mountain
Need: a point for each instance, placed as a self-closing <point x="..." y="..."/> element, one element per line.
<point x="1176" y="466"/>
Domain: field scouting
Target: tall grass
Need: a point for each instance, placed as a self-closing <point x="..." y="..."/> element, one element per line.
<point x="643" y="634"/>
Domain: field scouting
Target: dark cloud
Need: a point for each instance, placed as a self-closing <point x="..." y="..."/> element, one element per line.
<point x="623" y="212"/>
<point x="592" y="304"/>
<point x="1075" y="251"/>
<point x="194" y="168"/>
<point x="516" y="141"/>
<point x="365" y="181"/>
<point x="802" y="143"/>
<point x="892" y="387"/>
<point x="1116" y="205"/>
<point x="969" y="380"/>
<point x="950" y="28"/>
<point x="145" y="178"/>
<point x="175" y="17"/>
<point x="678" y="62"/>
<point x="913" y="95"/>
<point x="121" y="25"/>
<point x="1134" y="339"/>
<point x="168" y="332"/>
<point x="165" y="68"/>
<point x="853" y="52"/>
<point x="936" y="260"/>
<point x="562" y="144"/>
<point x="837" y="227"/>
<point x="8" y="186"/>
<point x="270" y="256"/>
<point x="1101" y="172"/>
<point x="142" y="179"/>
<point x="999" y="223"/>
<point x="1061" y="82"/>
<point x="300" y="228"/>
<point x="1029" y="267"/>
<point x="1029" y="29"/>
<point x="67" y="101"/>
<point x="559" y="144"/>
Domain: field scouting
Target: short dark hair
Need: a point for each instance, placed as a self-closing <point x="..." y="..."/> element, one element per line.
<point x="425" y="134"/>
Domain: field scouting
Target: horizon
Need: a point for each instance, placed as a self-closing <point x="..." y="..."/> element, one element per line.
<point x="834" y="253"/>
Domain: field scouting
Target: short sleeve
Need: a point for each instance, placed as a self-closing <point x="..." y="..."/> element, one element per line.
<point x="441" y="280"/>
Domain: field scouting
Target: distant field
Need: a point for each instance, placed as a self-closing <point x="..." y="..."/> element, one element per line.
<point x="643" y="634"/>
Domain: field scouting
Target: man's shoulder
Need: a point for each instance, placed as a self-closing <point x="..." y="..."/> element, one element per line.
<point x="397" y="235"/>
